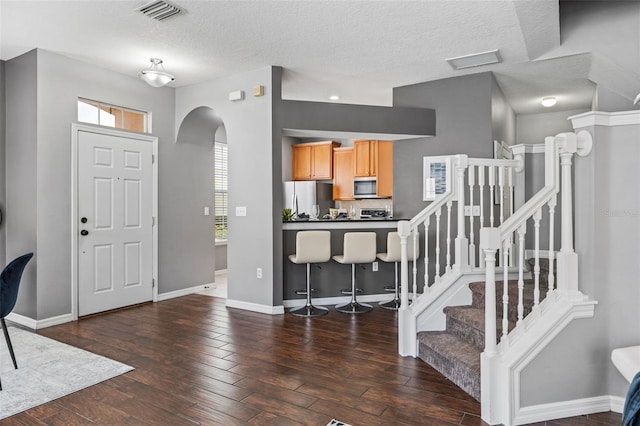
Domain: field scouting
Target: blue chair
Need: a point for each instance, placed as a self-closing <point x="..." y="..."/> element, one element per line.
<point x="9" y="283"/>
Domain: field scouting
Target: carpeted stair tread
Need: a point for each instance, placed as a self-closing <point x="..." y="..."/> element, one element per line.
<point x="467" y="323"/>
<point x="456" y="359"/>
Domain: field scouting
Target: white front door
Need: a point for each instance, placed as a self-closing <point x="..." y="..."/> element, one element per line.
<point x="115" y="213"/>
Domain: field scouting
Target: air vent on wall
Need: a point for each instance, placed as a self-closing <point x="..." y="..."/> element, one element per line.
<point x="159" y="10"/>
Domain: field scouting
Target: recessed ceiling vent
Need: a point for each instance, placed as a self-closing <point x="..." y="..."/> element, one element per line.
<point x="475" y="60"/>
<point x="159" y="10"/>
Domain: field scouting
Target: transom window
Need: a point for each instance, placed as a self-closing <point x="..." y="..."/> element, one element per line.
<point x="95" y="112"/>
<point x="221" y="191"/>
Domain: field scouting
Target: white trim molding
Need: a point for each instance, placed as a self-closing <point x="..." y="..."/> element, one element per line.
<point x="323" y="301"/>
<point x="182" y="292"/>
<point x="39" y="324"/>
<point x="558" y="410"/>
<point x="599" y="118"/>
<point x="255" y="307"/>
<point x="522" y="148"/>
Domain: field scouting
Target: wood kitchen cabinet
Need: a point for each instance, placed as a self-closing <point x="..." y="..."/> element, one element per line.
<point x="313" y="161"/>
<point x="374" y="158"/>
<point x="343" y="162"/>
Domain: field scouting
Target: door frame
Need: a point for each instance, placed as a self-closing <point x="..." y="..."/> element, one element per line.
<point x="76" y="128"/>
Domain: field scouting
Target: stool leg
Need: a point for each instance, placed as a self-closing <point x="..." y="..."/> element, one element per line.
<point x="309" y="310"/>
<point x="353" y="307"/>
<point x="393" y="304"/>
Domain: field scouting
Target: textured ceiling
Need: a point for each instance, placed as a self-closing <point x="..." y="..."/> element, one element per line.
<point x="357" y="49"/>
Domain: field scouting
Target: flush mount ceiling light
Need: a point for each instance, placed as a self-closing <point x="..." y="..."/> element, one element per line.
<point x="334" y="98"/>
<point x="548" y="102"/>
<point x="475" y="59"/>
<point x="637" y="99"/>
<point x="156" y="76"/>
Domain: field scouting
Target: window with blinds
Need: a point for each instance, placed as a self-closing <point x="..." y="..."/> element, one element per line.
<point x="221" y="191"/>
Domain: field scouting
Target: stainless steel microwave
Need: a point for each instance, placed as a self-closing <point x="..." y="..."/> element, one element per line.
<point x="365" y="187"/>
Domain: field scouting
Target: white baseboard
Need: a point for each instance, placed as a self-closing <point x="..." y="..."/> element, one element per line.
<point x="322" y="301"/>
<point x="180" y="293"/>
<point x="221" y="272"/>
<point x="39" y="324"/>
<point x="558" y="410"/>
<point x="617" y="404"/>
<point x="255" y="307"/>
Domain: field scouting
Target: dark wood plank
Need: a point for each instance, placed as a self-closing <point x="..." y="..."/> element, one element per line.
<point x="198" y="362"/>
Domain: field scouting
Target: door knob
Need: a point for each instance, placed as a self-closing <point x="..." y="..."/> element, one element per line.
<point x="84" y="232"/>
<point x="83" y="220"/>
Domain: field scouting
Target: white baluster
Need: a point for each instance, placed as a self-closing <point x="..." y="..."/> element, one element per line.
<point x="501" y="186"/>
<point x="437" y="271"/>
<point x="552" y="210"/>
<point x="510" y="193"/>
<point x="472" y="244"/>
<point x="403" y="233"/>
<point x="492" y="184"/>
<point x="426" y="256"/>
<point x="521" y="233"/>
<point x="481" y="188"/>
<point x="505" y="288"/>
<point x="490" y="302"/>
<point x="448" y="266"/>
<point x="536" y="269"/>
<point x="415" y="263"/>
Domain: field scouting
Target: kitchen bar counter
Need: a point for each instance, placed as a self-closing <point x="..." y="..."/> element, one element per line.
<point x="330" y="224"/>
<point x="331" y="277"/>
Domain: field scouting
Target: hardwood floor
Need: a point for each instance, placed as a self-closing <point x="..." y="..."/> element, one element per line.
<point x="197" y="362"/>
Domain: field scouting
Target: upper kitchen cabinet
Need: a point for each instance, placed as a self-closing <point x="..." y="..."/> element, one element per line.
<point x="343" y="174"/>
<point x="313" y="161"/>
<point x="374" y="158"/>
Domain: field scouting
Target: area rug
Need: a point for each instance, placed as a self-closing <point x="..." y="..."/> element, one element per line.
<point x="47" y="370"/>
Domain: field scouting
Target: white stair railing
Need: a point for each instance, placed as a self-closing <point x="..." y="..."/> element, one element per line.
<point x="559" y="151"/>
<point x="438" y="214"/>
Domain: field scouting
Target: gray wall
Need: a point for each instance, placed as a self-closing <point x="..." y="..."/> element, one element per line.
<point x="221" y="257"/>
<point x="503" y="119"/>
<point x="248" y="125"/>
<point x="39" y="163"/>
<point x="607" y="239"/>
<point x="463" y="126"/>
<point x="21" y="175"/>
<point x="2" y="167"/>
<point x="533" y="128"/>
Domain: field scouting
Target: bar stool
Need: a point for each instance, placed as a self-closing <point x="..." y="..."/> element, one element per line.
<point x="311" y="247"/>
<point x="393" y="255"/>
<point x="358" y="247"/>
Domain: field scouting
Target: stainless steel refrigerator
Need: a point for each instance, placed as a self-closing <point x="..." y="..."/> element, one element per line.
<point x="300" y="196"/>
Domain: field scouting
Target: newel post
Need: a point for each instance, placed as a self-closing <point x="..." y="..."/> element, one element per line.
<point x="407" y="340"/>
<point x="461" y="261"/>
<point x="570" y="143"/>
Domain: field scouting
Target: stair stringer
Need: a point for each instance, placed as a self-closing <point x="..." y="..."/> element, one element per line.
<point x="500" y="373"/>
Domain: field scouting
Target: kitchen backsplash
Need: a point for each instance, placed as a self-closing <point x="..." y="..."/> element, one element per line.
<point x="380" y="203"/>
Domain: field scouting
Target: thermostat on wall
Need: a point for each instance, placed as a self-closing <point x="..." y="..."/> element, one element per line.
<point x="238" y="95"/>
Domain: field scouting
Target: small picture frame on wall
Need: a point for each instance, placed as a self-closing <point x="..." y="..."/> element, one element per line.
<point x="436" y="177"/>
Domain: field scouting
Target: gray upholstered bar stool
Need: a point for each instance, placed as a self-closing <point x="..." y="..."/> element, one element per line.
<point x="311" y="247"/>
<point x="358" y="247"/>
<point x="393" y="255"/>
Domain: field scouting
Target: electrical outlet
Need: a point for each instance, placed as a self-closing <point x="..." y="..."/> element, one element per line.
<point x="259" y="273"/>
<point x="375" y="267"/>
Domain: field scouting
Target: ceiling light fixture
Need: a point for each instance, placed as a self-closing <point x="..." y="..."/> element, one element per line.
<point x="548" y="102"/>
<point x="334" y="98"/>
<point x="637" y="99"/>
<point x="156" y="76"/>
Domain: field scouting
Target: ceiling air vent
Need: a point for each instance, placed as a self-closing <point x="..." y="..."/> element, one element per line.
<point x="475" y="60"/>
<point x="159" y="10"/>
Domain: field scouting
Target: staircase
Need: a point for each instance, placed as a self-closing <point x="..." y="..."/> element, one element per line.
<point x="455" y="352"/>
<point x="482" y="335"/>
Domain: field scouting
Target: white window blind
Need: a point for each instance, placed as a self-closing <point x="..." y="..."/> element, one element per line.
<point x="221" y="191"/>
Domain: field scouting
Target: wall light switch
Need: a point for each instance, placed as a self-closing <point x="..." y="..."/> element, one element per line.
<point x="241" y="211"/>
<point x="206" y="211"/>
